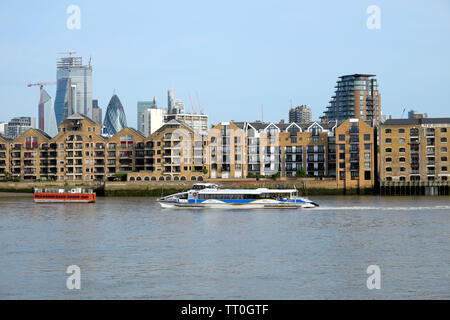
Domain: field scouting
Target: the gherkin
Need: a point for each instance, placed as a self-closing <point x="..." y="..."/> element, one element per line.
<point x="115" y="119"/>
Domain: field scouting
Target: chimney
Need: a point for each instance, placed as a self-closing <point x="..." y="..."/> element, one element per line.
<point x="282" y="121"/>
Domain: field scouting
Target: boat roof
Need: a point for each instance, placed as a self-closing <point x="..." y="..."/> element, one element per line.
<point x="247" y="191"/>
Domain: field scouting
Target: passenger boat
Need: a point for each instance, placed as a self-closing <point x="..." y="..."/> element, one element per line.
<point x="63" y="195"/>
<point x="207" y="195"/>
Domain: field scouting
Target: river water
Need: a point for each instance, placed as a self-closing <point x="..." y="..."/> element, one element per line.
<point x="130" y="248"/>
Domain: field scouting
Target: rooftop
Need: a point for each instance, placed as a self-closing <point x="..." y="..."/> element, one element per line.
<point x="417" y="121"/>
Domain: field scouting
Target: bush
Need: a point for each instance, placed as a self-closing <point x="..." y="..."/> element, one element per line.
<point x="121" y="177"/>
<point x="276" y="175"/>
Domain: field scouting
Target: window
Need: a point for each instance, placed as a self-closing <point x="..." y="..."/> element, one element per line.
<point x="402" y="169"/>
<point x="388" y="150"/>
<point x="342" y="147"/>
<point x="342" y="156"/>
<point x="443" y="130"/>
<point x="444" y="149"/>
<point x="342" y="175"/>
<point x="401" y="140"/>
<point x="342" y="165"/>
<point x="367" y="146"/>
<point x="388" y="140"/>
<point x="444" y="159"/>
<point x="388" y="169"/>
<point x="342" y="137"/>
<point x="366" y="155"/>
<point x="366" y="164"/>
<point x="444" y="169"/>
<point x="388" y="159"/>
<point x="367" y="175"/>
<point x="213" y="139"/>
<point x="237" y="139"/>
<point x="402" y="159"/>
<point x="401" y="130"/>
<point x="444" y="140"/>
<point x="401" y="150"/>
<point x="387" y="131"/>
<point x="414" y="132"/>
<point x="367" y="137"/>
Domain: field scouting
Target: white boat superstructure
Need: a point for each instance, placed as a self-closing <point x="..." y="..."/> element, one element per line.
<point x="206" y="195"/>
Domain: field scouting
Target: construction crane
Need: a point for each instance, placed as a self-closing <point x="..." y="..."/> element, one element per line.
<point x="198" y="100"/>
<point x="403" y="113"/>
<point x="42" y="84"/>
<point x="70" y="53"/>
<point x="192" y="105"/>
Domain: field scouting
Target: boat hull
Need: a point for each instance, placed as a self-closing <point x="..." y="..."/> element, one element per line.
<point x="257" y="204"/>
<point x="64" y="197"/>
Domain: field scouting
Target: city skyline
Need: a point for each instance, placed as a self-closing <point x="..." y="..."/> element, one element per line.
<point x="233" y="67"/>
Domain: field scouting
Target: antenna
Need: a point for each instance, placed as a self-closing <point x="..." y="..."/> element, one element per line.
<point x="192" y="105"/>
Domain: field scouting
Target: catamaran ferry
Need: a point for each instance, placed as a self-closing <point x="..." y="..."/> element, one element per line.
<point x="208" y="195"/>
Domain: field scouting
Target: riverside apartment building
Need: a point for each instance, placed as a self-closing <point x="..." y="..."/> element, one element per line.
<point x="415" y="149"/>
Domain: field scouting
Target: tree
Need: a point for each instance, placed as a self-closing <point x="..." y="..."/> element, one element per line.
<point x="300" y="173"/>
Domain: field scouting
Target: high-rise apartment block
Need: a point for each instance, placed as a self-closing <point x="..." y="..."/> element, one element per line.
<point x="300" y="114"/>
<point x="74" y="88"/>
<point x="356" y="96"/>
<point x="19" y="125"/>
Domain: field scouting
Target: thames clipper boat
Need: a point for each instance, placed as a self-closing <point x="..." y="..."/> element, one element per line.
<point x="208" y="195"/>
<point x="62" y="195"/>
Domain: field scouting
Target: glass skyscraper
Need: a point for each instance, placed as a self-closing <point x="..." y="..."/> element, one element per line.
<point x="74" y="88"/>
<point x="47" y="118"/>
<point x="356" y="96"/>
<point x="115" y="119"/>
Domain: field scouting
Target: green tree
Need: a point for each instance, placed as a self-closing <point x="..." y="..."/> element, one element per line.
<point x="300" y="173"/>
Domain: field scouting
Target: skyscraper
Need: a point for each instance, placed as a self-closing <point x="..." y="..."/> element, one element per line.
<point x="47" y="119"/>
<point x="96" y="112"/>
<point x="142" y="108"/>
<point x="74" y="88"/>
<point x="174" y="106"/>
<point x="115" y="119"/>
<point x="356" y="96"/>
<point x="300" y="114"/>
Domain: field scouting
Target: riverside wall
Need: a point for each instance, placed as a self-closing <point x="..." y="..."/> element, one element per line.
<point x="305" y="186"/>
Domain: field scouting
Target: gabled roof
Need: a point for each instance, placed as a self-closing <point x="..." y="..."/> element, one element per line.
<point x="81" y="116"/>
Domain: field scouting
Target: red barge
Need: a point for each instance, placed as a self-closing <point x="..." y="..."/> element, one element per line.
<point x="63" y="195"/>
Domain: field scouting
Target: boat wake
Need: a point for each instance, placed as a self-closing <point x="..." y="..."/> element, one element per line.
<point x="383" y="208"/>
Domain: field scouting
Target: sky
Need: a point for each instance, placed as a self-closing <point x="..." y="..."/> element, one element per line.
<point x="237" y="55"/>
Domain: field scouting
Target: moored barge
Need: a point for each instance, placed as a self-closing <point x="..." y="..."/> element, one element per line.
<point x="76" y="195"/>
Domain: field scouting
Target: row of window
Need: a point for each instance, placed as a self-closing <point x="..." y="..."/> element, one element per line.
<point x="415" y="131"/>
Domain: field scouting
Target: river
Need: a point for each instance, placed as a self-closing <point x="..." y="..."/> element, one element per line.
<point x="130" y="248"/>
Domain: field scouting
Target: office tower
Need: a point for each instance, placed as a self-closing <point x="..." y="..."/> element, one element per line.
<point x="115" y="119"/>
<point x="415" y="149"/>
<point x="142" y="107"/>
<point x="19" y="125"/>
<point x="174" y="106"/>
<point x="96" y="112"/>
<point x="74" y="88"/>
<point x="170" y="100"/>
<point x="47" y="118"/>
<point x="300" y="114"/>
<point x="356" y="96"/>
<point x="153" y="120"/>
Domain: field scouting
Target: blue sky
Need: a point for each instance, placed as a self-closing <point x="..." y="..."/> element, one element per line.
<point x="236" y="54"/>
